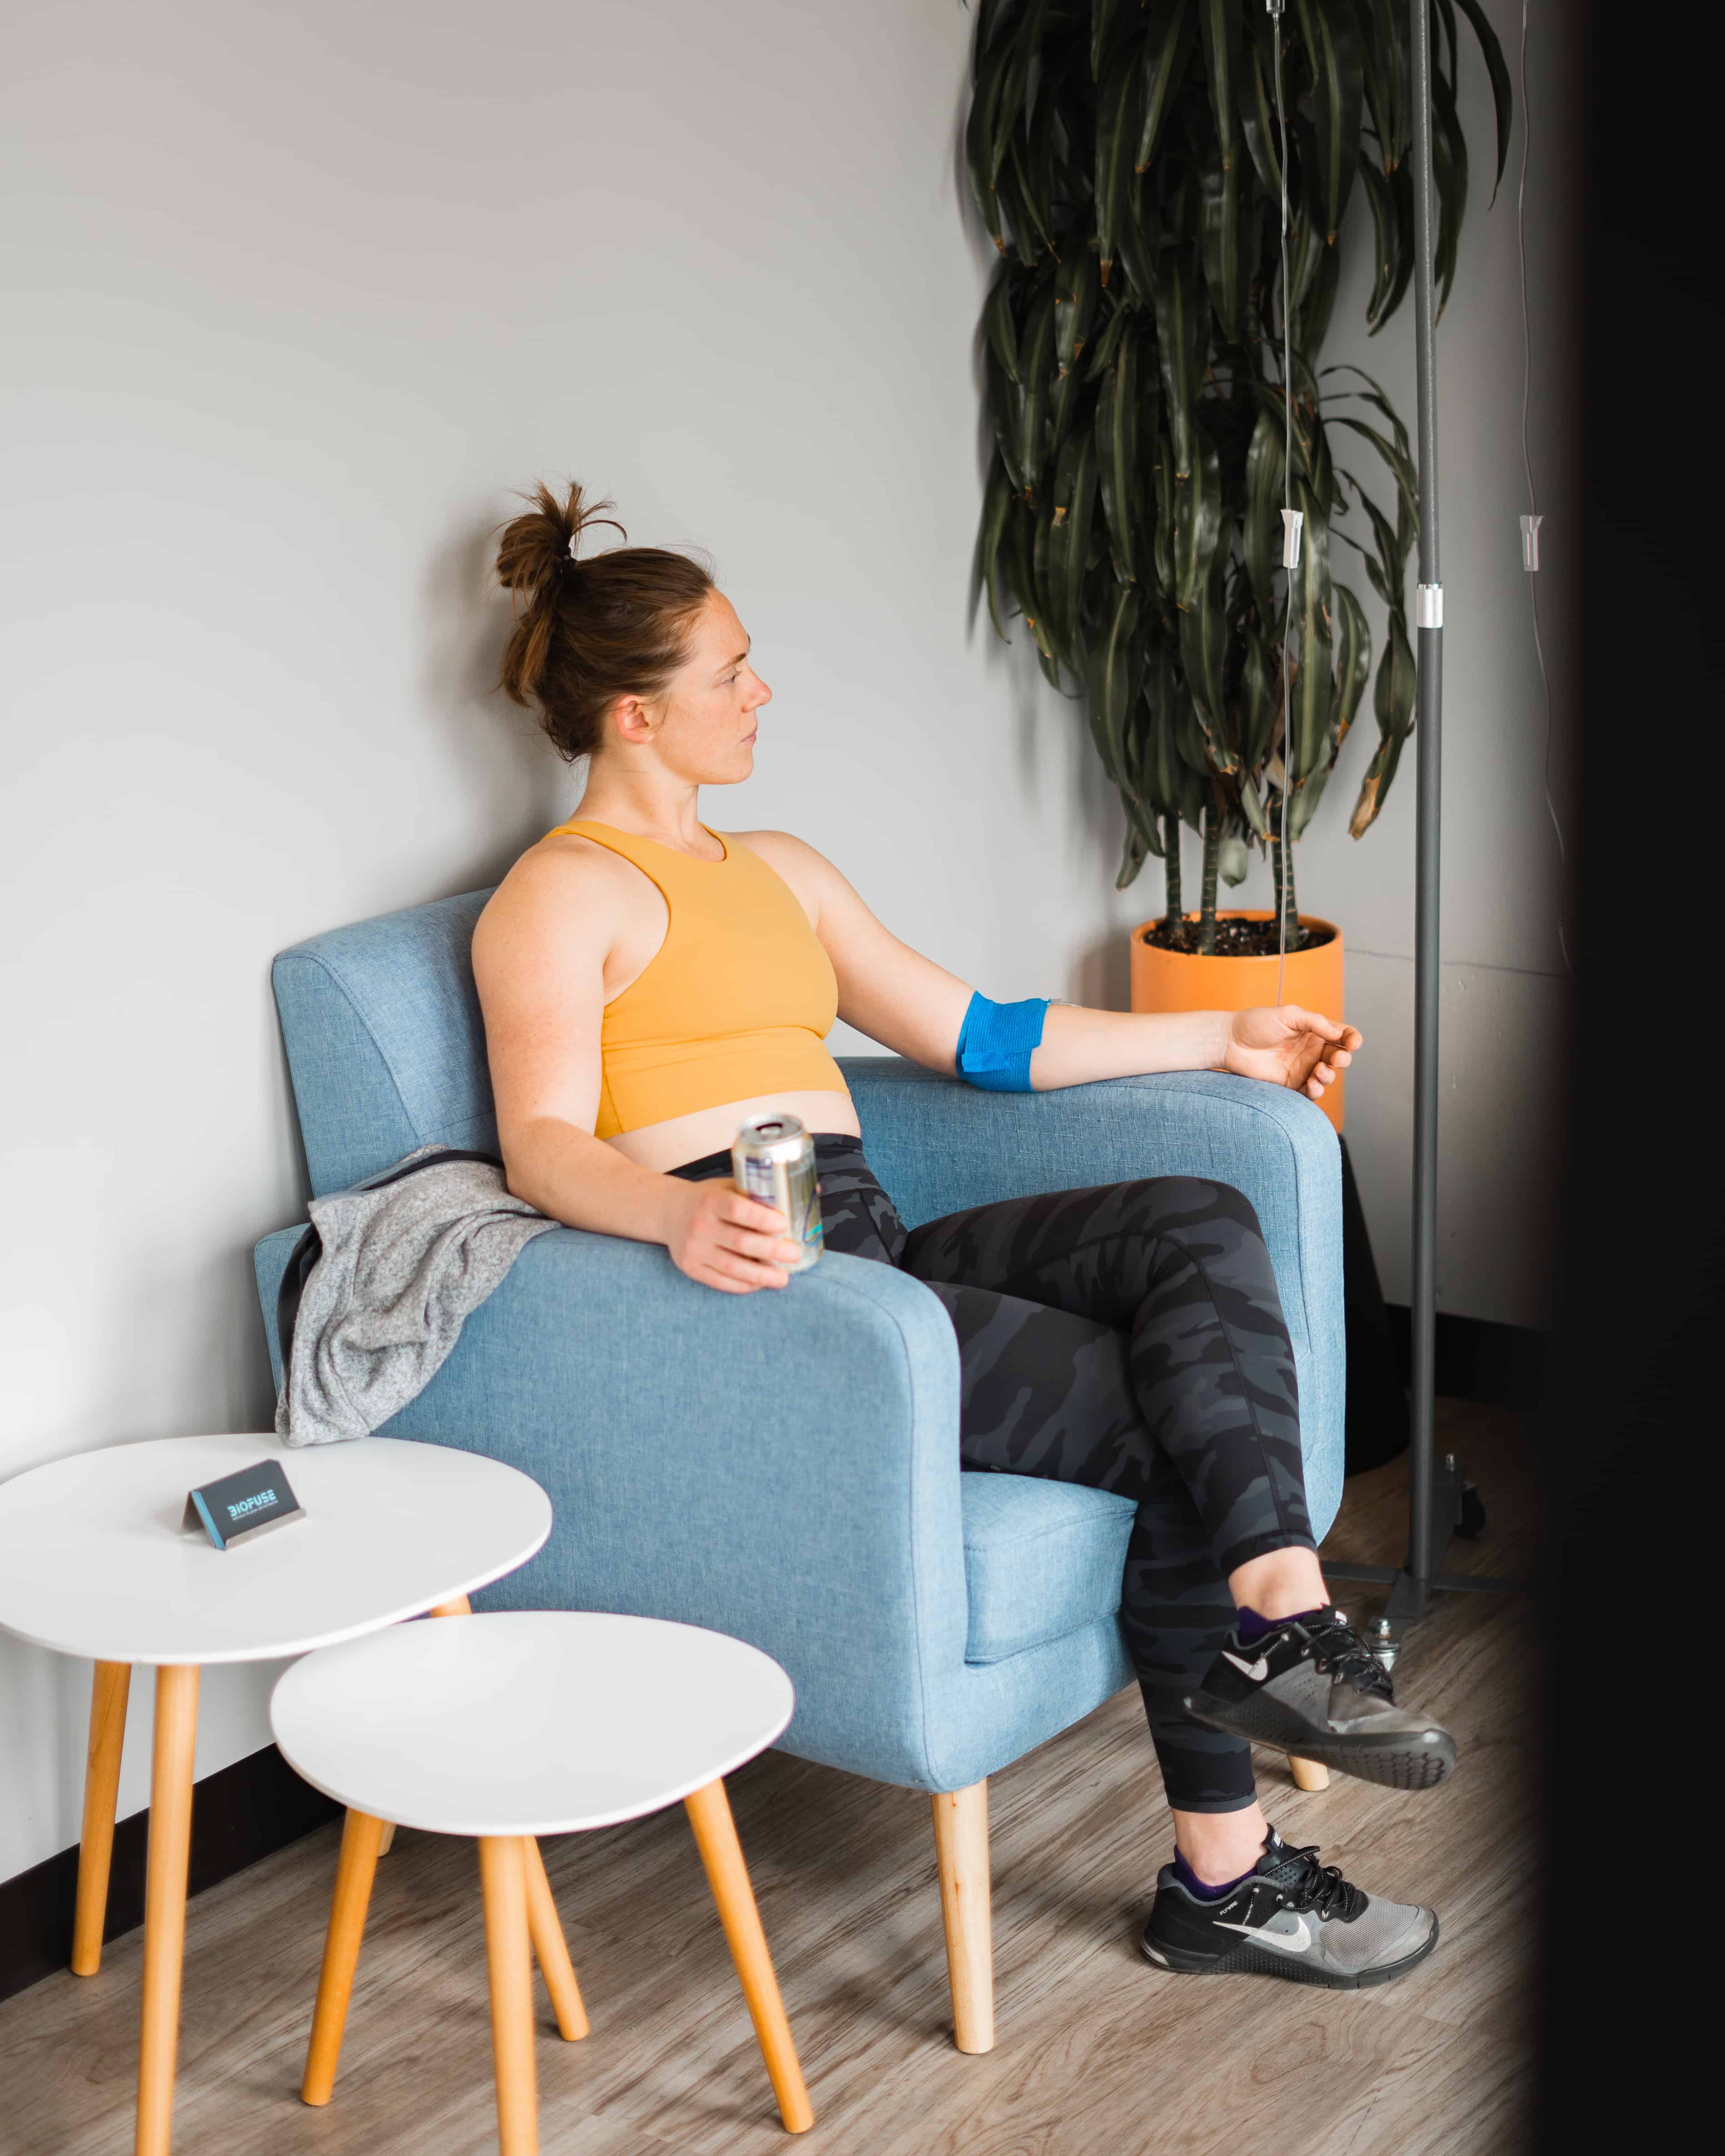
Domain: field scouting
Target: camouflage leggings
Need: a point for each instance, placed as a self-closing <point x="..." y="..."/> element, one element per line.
<point x="1130" y="1339"/>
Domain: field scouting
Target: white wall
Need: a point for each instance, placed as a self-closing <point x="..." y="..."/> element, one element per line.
<point x="299" y="295"/>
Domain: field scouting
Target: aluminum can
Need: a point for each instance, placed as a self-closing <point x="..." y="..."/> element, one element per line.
<point x="772" y="1160"/>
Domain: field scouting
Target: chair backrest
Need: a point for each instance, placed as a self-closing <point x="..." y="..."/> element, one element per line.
<point x="385" y="1040"/>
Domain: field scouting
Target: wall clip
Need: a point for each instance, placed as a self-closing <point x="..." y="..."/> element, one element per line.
<point x="1428" y="606"/>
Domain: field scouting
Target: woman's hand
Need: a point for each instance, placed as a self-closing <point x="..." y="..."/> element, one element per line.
<point x="1287" y="1046"/>
<point x="727" y="1241"/>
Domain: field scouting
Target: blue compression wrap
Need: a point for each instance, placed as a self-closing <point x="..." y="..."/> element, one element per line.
<point x="995" y="1043"/>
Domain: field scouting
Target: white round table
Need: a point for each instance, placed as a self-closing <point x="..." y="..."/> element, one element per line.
<point x="93" y="1561"/>
<point x="525" y="1722"/>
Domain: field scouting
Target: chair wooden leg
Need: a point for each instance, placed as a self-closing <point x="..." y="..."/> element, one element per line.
<point x="457" y="1606"/>
<point x="961" y="1844"/>
<point x="164" y="1901"/>
<point x="1308" y="1773"/>
<point x="503" y="1878"/>
<point x="108" y="1696"/>
<point x="362" y="1839"/>
<point x="715" y="1837"/>
<point x="551" y="1949"/>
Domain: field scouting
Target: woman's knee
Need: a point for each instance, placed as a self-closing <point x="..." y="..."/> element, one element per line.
<point x="1199" y="1201"/>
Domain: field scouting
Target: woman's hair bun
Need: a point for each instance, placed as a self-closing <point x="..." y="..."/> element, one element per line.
<point x="537" y="547"/>
<point x="587" y="632"/>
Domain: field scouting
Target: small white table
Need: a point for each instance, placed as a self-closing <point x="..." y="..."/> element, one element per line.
<point x="521" y="1723"/>
<point x="93" y="1562"/>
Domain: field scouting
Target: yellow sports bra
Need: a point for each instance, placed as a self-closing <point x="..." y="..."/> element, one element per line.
<point x="736" y="1002"/>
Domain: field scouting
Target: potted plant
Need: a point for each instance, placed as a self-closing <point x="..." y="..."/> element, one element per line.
<point x="1151" y="341"/>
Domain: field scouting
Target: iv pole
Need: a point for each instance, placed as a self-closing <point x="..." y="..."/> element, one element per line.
<point x="1435" y="1493"/>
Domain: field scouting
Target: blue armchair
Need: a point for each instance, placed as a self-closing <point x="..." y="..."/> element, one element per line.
<point x="785" y="1467"/>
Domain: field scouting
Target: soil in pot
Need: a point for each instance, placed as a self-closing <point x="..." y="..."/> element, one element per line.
<point x="1237" y="938"/>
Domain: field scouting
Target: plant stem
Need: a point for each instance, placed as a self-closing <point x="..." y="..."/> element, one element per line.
<point x="1207" y="895"/>
<point x="1174" y="905"/>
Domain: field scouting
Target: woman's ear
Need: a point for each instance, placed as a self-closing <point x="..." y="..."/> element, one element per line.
<point x="631" y="719"/>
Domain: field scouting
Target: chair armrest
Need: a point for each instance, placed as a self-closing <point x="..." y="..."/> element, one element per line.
<point x="781" y="1466"/>
<point x="939" y="1145"/>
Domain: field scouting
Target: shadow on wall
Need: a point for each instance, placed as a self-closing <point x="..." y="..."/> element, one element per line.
<point x="1101" y="978"/>
<point x="515" y="778"/>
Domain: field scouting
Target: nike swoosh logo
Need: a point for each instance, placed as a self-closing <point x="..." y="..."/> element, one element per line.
<point x="1283" y="1942"/>
<point x="1257" y="1670"/>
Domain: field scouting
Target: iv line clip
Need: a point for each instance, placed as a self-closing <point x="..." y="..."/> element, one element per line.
<point x="1530" y="541"/>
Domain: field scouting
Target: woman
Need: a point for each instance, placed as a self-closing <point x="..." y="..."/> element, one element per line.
<point x="648" y="984"/>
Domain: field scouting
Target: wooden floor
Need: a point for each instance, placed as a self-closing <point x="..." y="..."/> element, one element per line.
<point x="1098" y="2055"/>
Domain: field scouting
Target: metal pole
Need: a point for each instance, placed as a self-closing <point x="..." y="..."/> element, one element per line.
<point x="1429" y="655"/>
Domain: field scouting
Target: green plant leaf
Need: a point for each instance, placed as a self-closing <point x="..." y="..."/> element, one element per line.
<point x="1502" y="96"/>
<point x="997" y="323"/>
<point x="1197" y="521"/>
<point x="1204" y="652"/>
<point x="1117" y="456"/>
<point x="1006" y="419"/>
<point x="1103" y="348"/>
<point x="1072" y="522"/>
<point x="1115" y="665"/>
<point x="1140" y="243"/>
<point x="1035" y="366"/>
<point x="1225" y="230"/>
<point x="1375" y="785"/>
<point x="1393" y="692"/>
<point x="1168" y="46"/>
<point x="1180" y="331"/>
<point x="1074" y="304"/>
<point x="1233" y="862"/>
<point x="982" y="161"/>
<point x="1400" y="463"/>
<point x="1332" y="41"/>
<point x="1449" y="165"/>
<point x="1219" y="25"/>
<point x="1261" y="536"/>
<point x="997" y="506"/>
<point x="1103" y="14"/>
<point x="1257" y="108"/>
<point x="1131" y="857"/>
<point x="1386" y="241"/>
<point x="1354" y="659"/>
<point x="1257" y="707"/>
<point x="1306" y="801"/>
<point x="1117" y="139"/>
<point x="1024" y="45"/>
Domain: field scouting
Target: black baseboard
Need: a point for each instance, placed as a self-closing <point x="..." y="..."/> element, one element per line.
<point x="240" y="1814"/>
<point x="1502" y="1365"/>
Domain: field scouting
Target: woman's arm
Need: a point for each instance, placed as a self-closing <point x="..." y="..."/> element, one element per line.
<point x="539" y="956"/>
<point x="916" y="1009"/>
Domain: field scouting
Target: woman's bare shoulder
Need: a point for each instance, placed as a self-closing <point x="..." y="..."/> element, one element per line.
<point x="563" y="879"/>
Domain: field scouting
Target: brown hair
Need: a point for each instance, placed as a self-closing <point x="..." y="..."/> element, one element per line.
<point x="589" y="632"/>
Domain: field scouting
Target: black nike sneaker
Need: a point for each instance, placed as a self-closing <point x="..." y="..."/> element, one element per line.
<point x="1292" y="1917"/>
<point x="1314" y="1688"/>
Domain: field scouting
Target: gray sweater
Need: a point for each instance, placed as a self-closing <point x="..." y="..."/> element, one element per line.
<point x="406" y="1260"/>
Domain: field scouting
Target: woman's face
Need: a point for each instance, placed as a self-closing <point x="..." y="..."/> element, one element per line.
<point x="702" y="730"/>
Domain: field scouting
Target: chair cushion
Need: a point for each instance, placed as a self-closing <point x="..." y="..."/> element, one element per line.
<point x="1041" y="1559"/>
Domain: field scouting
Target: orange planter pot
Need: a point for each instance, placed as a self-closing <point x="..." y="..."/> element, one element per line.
<point x="1182" y="981"/>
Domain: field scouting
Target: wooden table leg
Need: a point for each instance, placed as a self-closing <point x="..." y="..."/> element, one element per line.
<point x="715" y="1837"/>
<point x="355" y="1869"/>
<point x="961" y="1848"/>
<point x="108" y="1696"/>
<point x="503" y="1878"/>
<point x="165" y="1901"/>
<point x="552" y="1948"/>
<point x="1308" y="1773"/>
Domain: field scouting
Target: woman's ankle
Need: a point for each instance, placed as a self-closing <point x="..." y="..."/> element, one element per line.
<point x="1221" y="1847"/>
<point x="1284" y="1582"/>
